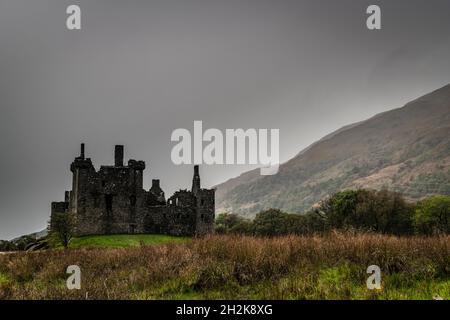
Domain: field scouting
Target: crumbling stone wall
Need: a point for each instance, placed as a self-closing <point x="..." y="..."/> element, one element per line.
<point x="112" y="201"/>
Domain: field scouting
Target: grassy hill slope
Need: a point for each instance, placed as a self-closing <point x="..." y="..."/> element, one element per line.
<point x="405" y="149"/>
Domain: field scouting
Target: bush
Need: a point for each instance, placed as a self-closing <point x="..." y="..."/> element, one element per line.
<point x="7" y="246"/>
<point x="432" y="216"/>
<point x="24" y="242"/>
<point x="233" y="224"/>
<point x="271" y="222"/>
<point x="368" y="210"/>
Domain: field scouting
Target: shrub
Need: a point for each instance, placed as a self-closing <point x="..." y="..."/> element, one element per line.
<point x="271" y="222"/>
<point x="7" y="246"/>
<point x="232" y="223"/>
<point x="432" y="216"/>
<point x="369" y="210"/>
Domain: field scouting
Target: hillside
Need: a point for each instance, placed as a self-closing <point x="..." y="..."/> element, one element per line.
<point x="35" y="235"/>
<point x="405" y="149"/>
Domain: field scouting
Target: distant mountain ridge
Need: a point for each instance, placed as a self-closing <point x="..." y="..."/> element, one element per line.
<point x="405" y="149"/>
<point x="35" y="235"/>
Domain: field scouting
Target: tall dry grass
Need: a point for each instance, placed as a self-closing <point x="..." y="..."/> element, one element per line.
<point x="213" y="263"/>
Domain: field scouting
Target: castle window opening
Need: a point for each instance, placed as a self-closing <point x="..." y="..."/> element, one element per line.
<point x="109" y="201"/>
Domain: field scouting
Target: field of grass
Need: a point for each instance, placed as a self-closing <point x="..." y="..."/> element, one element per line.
<point x="238" y="267"/>
<point x="122" y="240"/>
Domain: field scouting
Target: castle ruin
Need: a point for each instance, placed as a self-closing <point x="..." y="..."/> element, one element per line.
<point x="112" y="201"/>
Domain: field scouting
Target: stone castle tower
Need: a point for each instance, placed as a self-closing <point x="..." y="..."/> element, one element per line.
<point x="112" y="201"/>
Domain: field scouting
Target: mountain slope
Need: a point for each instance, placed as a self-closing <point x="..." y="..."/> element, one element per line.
<point x="35" y="235"/>
<point x="405" y="149"/>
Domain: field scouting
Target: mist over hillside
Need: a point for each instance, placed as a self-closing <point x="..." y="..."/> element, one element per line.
<point x="405" y="149"/>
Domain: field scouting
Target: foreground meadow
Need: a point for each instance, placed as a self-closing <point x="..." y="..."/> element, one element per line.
<point x="238" y="267"/>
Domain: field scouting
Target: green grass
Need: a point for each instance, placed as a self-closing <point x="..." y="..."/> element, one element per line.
<point x="3" y="278"/>
<point x="122" y="240"/>
<point x="335" y="283"/>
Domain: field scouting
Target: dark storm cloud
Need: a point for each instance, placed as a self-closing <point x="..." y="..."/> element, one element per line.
<point x="140" y="69"/>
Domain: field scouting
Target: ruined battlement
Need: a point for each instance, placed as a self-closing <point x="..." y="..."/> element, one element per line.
<point x="112" y="200"/>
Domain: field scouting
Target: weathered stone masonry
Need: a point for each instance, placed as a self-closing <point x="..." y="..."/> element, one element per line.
<point x="112" y="201"/>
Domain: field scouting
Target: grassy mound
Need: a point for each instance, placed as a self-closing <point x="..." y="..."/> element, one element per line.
<point x="122" y="240"/>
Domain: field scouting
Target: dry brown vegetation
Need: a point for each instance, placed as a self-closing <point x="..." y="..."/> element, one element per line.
<point x="289" y="267"/>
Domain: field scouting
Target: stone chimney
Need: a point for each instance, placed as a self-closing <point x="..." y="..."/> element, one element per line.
<point x="196" y="180"/>
<point x="155" y="183"/>
<point x="82" y="151"/>
<point x="118" y="156"/>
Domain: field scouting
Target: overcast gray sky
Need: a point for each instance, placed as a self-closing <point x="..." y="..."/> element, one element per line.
<point x="137" y="70"/>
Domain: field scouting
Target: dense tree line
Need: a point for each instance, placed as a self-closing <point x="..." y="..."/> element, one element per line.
<point x="381" y="211"/>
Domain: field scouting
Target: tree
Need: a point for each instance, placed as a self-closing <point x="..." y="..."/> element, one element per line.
<point x="232" y="223"/>
<point x="339" y="210"/>
<point x="7" y="246"/>
<point x="369" y="210"/>
<point x="24" y="242"/>
<point x="385" y="212"/>
<point x="244" y="226"/>
<point x="314" y="222"/>
<point x="61" y="228"/>
<point x="271" y="222"/>
<point x="432" y="215"/>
